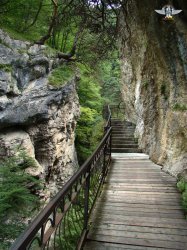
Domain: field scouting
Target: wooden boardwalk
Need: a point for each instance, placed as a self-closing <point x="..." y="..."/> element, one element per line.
<point x="139" y="208"/>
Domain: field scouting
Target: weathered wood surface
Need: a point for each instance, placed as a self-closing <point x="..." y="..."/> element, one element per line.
<point x="139" y="208"/>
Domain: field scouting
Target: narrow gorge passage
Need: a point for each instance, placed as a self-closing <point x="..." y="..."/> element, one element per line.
<point x="139" y="208"/>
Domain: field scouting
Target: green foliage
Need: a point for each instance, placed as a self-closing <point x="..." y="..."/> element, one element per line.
<point x="110" y="79"/>
<point x="179" y="107"/>
<point x="6" y="67"/>
<point x="145" y="84"/>
<point x="89" y="130"/>
<point x="182" y="187"/>
<point x="163" y="90"/>
<point x="61" y="75"/>
<point x="89" y="89"/>
<point x="16" y="198"/>
<point x="17" y="24"/>
<point x="73" y="225"/>
<point x="184" y="200"/>
<point x="95" y="88"/>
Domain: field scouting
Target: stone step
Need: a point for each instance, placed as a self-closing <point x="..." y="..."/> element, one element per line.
<point x="130" y="156"/>
<point x="123" y="130"/>
<point x="131" y="142"/>
<point x="126" y="150"/>
<point x="122" y="133"/>
<point x="135" y="145"/>
<point x="123" y="137"/>
<point x="123" y="127"/>
<point x="124" y="143"/>
<point x="123" y="124"/>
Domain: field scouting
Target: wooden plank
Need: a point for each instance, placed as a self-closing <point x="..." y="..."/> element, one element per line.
<point x="127" y="188"/>
<point x="155" y="214"/>
<point x="139" y="192"/>
<point x="140" y="176"/>
<point x="143" y="190"/>
<point x="124" y="217"/>
<point x="126" y="168"/>
<point x="142" y="242"/>
<point x="154" y="230"/>
<point x="117" y="203"/>
<point x="145" y="209"/>
<point x="124" y="196"/>
<point x="140" y="173"/>
<point x="141" y="198"/>
<point x="144" y="178"/>
<point x="144" y="174"/>
<point x="145" y="222"/>
<point x="139" y="185"/>
<point x="121" y="205"/>
<point x="137" y="235"/>
<point x="95" y="245"/>
<point x="141" y="181"/>
<point x="143" y="185"/>
<point x="140" y="201"/>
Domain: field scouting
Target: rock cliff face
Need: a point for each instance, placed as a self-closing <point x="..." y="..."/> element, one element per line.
<point x="154" y="80"/>
<point x="35" y="115"/>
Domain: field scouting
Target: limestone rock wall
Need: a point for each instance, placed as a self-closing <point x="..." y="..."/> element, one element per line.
<point x="154" y="80"/>
<point x="35" y="115"/>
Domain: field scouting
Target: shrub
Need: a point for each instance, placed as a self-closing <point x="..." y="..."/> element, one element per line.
<point x="182" y="187"/>
<point x="16" y="199"/>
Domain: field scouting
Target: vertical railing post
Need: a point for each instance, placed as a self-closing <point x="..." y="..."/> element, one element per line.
<point x="110" y="144"/>
<point x="86" y="204"/>
<point x="104" y="161"/>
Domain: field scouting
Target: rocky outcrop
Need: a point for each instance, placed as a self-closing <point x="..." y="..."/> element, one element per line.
<point x="154" y="81"/>
<point x="35" y="115"/>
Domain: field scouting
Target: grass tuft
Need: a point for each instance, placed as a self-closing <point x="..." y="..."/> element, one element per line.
<point x="61" y="75"/>
<point x="179" y="107"/>
<point x="6" y="67"/>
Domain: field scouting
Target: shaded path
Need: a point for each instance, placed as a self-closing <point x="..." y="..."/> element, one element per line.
<point x="139" y="208"/>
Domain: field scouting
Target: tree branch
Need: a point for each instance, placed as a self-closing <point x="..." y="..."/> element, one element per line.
<point x="52" y="24"/>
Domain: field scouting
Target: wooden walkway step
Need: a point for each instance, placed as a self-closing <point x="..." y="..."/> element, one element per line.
<point x="139" y="208"/>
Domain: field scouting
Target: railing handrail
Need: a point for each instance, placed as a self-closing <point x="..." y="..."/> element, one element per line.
<point x="27" y="236"/>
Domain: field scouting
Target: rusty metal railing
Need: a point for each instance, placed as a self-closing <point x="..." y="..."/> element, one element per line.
<point x="64" y="222"/>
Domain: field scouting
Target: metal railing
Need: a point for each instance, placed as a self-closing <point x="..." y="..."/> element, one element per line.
<point x="109" y="115"/>
<point x="64" y="222"/>
<point x="118" y="111"/>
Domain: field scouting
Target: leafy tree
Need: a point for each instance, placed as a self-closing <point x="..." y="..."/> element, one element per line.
<point x="110" y="79"/>
<point x="89" y="127"/>
<point x="65" y="24"/>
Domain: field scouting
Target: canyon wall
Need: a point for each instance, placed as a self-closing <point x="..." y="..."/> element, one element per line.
<point x="154" y="80"/>
<point x="35" y="115"/>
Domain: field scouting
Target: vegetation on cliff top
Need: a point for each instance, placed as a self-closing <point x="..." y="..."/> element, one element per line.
<point x="61" y="75"/>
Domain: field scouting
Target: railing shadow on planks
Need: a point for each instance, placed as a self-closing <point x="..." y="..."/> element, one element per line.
<point x="64" y="222"/>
